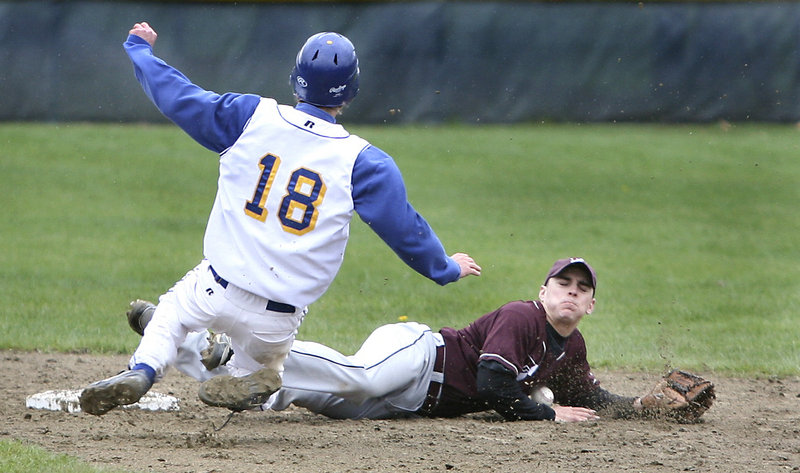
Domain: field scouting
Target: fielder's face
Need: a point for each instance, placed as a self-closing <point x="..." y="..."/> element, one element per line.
<point x="567" y="297"/>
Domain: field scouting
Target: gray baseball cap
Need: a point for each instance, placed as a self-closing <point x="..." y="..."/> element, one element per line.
<point x="562" y="264"/>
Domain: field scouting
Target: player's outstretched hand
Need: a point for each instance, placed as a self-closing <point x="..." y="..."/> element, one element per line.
<point x="574" y="414"/>
<point x="144" y="31"/>
<point x="467" y="264"/>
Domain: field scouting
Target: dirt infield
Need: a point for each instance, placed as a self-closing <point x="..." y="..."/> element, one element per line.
<point x="754" y="426"/>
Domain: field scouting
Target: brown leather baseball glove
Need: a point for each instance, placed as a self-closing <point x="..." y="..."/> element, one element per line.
<point x="680" y="395"/>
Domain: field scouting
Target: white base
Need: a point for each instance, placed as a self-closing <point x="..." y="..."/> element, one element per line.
<point x="67" y="400"/>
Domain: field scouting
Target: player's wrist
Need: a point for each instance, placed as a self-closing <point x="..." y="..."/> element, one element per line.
<point x="637" y="404"/>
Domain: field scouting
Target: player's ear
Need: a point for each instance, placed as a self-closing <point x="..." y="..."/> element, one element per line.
<point x="591" y="306"/>
<point x="542" y="291"/>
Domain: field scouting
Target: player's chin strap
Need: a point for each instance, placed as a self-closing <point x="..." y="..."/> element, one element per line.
<point x="228" y="419"/>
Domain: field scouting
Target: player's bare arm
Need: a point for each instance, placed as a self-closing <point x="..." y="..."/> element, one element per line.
<point x="144" y="31"/>
<point x="467" y="264"/>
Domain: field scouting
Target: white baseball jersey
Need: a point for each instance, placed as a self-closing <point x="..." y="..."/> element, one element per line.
<point x="281" y="218"/>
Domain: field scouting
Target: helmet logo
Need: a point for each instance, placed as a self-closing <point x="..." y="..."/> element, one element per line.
<point x="302" y="82"/>
<point x="337" y="90"/>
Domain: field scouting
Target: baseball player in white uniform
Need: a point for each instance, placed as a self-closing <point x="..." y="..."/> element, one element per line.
<point x="290" y="179"/>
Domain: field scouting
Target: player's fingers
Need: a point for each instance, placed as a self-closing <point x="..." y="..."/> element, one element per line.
<point x="587" y="413"/>
<point x="138" y="28"/>
<point x="575" y="414"/>
<point x="474" y="266"/>
<point x="144" y="31"/>
<point x="465" y="259"/>
<point x="467" y="265"/>
<point x="143" y="26"/>
<point x="467" y="271"/>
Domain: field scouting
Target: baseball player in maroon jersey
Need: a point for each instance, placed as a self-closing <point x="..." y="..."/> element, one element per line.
<point x="496" y="362"/>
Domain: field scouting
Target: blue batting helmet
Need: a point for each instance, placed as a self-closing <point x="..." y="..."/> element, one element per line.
<point x="326" y="71"/>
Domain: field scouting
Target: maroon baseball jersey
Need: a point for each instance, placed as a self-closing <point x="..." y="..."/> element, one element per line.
<point x="517" y="336"/>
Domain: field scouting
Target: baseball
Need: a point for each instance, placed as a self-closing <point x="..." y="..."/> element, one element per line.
<point x="543" y="395"/>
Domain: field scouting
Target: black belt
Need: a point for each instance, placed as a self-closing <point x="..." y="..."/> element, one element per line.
<point x="435" y="388"/>
<point x="271" y="305"/>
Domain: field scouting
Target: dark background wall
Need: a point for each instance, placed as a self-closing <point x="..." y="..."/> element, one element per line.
<point x="421" y="61"/>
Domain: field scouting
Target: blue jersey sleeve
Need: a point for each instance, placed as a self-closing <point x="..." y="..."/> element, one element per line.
<point x="213" y="120"/>
<point x="379" y="198"/>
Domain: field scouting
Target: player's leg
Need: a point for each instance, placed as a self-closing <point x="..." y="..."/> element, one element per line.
<point x="393" y="359"/>
<point x="389" y="353"/>
<point x="261" y="339"/>
<point x="396" y="355"/>
<point x="201" y="355"/>
<point x="191" y="305"/>
<point x="333" y="406"/>
<point x="191" y="358"/>
<point x="156" y="351"/>
<point x="317" y="402"/>
<point x="385" y="378"/>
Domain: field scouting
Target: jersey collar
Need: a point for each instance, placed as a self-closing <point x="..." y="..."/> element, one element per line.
<point x="314" y="111"/>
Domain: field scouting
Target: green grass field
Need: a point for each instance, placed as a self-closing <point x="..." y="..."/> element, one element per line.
<point x="16" y="457"/>
<point x="692" y="229"/>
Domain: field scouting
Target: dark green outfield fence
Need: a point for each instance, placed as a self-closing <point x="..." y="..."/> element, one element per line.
<point x="421" y="61"/>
